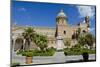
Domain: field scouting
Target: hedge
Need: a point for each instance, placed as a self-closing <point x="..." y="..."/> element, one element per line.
<point x="78" y="51"/>
<point x="48" y="52"/>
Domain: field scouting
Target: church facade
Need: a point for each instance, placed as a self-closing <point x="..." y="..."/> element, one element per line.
<point x="62" y="29"/>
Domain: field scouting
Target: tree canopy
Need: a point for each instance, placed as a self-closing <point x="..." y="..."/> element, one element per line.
<point x="88" y="39"/>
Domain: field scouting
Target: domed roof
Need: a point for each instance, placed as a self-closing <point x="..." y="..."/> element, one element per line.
<point x="61" y="14"/>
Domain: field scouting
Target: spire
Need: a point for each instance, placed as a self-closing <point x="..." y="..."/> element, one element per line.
<point x="87" y="19"/>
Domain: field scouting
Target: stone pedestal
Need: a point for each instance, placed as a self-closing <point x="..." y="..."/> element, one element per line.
<point x="59" y="43"/>
<point x="59" y="57"/>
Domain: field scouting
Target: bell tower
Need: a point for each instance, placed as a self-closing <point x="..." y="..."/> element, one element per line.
<point x="61" y="29"/>
<point x="61" y="24"/>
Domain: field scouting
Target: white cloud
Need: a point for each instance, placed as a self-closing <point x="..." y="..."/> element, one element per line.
<point x="92" y="29"/>
<point x="22" y="9"/>
<point x="86" y="11"/>
<point x="83" y="21"/>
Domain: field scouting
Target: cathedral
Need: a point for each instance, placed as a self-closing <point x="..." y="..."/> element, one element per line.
<point x="63" y="31"/>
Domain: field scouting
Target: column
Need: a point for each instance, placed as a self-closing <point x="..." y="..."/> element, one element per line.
<point x="23" y="44"/>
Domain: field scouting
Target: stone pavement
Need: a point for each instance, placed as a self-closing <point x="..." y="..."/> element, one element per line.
<point x="58" y="57"/>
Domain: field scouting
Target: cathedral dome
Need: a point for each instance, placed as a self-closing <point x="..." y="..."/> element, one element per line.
<point x="61" y="14"/>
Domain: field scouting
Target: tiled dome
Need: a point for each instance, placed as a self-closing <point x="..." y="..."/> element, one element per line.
<point x="61" y="14"/>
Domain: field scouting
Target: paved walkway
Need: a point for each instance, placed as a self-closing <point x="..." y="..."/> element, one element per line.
<point x="59" y="57"/>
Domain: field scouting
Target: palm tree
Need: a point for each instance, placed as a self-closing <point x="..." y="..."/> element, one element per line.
<point x="28" y="35"/>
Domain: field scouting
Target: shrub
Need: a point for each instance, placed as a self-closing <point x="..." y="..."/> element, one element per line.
<point x="15" y="64"/>
<point x="77" y="51"/>
<point x="20" y="52"/>
<point x="30" y="53"/>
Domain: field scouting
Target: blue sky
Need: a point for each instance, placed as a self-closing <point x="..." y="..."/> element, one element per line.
<point x="44" y="14"/>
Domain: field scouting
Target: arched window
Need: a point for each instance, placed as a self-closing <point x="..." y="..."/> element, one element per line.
<point x="84" y="31"/>
<point x="18" y="44"/>
<point x="73" y="36"/>
<point x="64" y="32"/>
